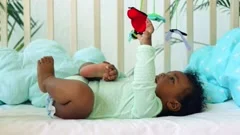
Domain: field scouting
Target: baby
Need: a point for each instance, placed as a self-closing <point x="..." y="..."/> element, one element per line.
<point x="99" y="92"/>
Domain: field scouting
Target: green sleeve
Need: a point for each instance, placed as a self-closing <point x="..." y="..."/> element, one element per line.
<point x="146" y="103"/>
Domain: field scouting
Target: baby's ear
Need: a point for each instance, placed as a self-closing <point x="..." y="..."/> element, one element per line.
<point x="173" y="105"/>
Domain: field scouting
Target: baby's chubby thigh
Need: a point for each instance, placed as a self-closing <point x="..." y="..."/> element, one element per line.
<point x="81" y="99"/>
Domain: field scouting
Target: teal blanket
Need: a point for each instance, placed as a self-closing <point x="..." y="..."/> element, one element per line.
<point x="18" y="70"/>
<point x="219" y="68"/>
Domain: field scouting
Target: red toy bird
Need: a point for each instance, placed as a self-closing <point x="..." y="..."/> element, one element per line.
<point x="138" y="20"/>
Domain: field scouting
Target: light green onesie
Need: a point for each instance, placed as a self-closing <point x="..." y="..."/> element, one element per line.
<point x="128" y="97"/>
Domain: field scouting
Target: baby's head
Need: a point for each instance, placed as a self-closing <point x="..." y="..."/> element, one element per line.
<point x="181" y="93"/>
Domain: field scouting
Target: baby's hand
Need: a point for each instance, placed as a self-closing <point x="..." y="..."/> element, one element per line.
<point x="111" y="73"/>
<point x="146" y="37"/>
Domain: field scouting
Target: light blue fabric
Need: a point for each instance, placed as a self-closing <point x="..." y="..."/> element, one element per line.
<point x="219" y="68"/>
<point x="19" y="70"/>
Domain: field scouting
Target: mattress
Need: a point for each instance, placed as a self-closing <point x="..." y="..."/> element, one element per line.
<point x="218" y="119"/>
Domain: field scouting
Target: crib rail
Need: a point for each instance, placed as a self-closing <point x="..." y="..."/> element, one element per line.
<point x="234" y="22"/>
<point x="167" y="25"/>
<point x="74" y="32"/>
<point x="234" y="16"/>
<point x="3" y="24"/>
<point x="50" y="19"/>
<point x="190" y="26"/>
<point x="27" y="26"/>
<point x="120" y="34"/>
<point x="97" y="23"/>
<point x="213" y="22"/>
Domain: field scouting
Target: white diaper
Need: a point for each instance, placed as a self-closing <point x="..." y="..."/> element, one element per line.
<point x="51" y="110"/>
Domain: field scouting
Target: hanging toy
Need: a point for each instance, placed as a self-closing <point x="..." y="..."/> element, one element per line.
<point x="138" y="20"/>
<point x="154" y="16"/>
<point x="182" y="34"/>
<point x="177" y="31"/>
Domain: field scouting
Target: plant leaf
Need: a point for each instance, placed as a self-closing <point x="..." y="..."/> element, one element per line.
<point x="20" y="42"/>
<point x="12" y="28"/>
<point x="14" y="14"/>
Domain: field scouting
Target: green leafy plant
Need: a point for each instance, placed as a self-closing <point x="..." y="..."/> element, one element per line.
<point x="223" y="5"/>
<point x="15" y="11"/>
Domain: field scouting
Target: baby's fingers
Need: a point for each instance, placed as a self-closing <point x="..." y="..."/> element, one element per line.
<point x="150" y="27"/>
<point x="113" y="72"/>
<point x="139" y="37"/>
<point x="111" y="66"/>
<point x="105" y="77"/>
<point x="112" y="77"/>
<point x="148" y="22"/>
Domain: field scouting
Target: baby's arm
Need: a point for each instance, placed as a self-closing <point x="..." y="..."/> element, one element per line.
<point x="146" y="103"/>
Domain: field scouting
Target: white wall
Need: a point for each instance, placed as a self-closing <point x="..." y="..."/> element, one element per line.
<point x="109" y="28"/>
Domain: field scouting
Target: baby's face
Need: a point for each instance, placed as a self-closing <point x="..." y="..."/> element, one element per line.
<point x="171" y="85"/>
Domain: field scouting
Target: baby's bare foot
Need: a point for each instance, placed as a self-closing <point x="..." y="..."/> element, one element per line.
<point x="45" y="69"/>
<point x="93" y="70"/>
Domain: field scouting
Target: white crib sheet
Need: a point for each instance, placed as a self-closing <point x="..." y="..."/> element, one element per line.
<point x="220" y="119"/>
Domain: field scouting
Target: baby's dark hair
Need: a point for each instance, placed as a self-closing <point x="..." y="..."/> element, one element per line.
<point x="192" y="102"/>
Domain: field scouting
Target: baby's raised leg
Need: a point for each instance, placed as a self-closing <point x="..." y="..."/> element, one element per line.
<point x="73" y="99"/>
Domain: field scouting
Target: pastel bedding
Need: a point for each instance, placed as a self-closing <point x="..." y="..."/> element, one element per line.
<point x="218" y="67"/>
<point x="218" y="119"/>
<point x="19" y="75"/>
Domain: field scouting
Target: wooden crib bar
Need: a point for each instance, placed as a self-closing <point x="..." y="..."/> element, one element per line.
<point x="190" y="30"/>
<point x="167" y="49"/>
<point x="145" y="6"/>
<point x="27" y="25"/>
<point x="50" y="19"/>
<point x="234" y="14"/>
<point x="3" y="24"/>
<point x="120" y="34"/>
<point x="74" y="33"/>
<point x="213" y="22"/>
<point x="97" y="23"/>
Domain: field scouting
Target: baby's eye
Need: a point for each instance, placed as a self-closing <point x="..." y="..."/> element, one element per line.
<point x="172" y="79"/>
